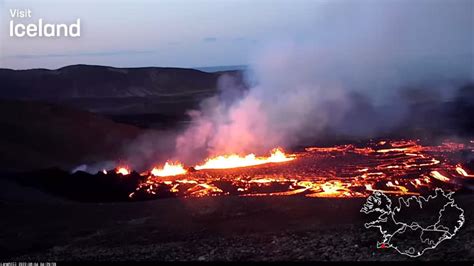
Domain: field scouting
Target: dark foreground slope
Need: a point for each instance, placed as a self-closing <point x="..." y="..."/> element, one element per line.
<point x="36" y="135"/>
<point x="209" y="229"/>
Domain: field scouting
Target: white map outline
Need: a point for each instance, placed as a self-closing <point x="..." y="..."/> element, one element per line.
<point x="387" y="212"/>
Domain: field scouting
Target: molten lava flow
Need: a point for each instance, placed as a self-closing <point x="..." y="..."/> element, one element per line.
<point x="202" y="190"/>
<point x="234" y="160"/>
<point x="439" y="176"/>
<point x="462" y="172"/>
<point x="395" y="167"/>
<point x="334" y="189"/>
<point x="123" y="170"/>
<point x="169" y="169"/>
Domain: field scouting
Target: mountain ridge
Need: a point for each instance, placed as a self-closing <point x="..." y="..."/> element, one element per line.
<point x="94" y="81"/>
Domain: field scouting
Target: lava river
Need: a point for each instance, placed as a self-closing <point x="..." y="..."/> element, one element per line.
<point x="402" y="167"/>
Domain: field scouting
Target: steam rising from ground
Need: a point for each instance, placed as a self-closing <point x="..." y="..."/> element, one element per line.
<point x="298" y="93"/>
<point x="284" y="104"/>
<point x="357" y="73"/>
<point x="358" y="57"/>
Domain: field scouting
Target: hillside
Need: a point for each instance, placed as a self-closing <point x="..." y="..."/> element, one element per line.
<point x="36" y="135"/>
<point x="114" y="91"/>
<point x="85" y="81"/>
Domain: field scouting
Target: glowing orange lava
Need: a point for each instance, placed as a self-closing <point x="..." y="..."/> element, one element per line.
<point x="439" y="176"/>
<point x="235" y="161"/>
<point x="169" y="169"/>
<point x="123" y="170"/>
<point x="462" y="172"/>
<point x="396" y="167"/>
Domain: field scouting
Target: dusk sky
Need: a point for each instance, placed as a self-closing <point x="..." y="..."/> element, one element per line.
<point x="189" y="33"/>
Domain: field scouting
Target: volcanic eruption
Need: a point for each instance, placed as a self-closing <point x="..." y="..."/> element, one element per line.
<point x="398" y="167"/>
<point x="258" y="138"/>
<point x="253" y="141"/>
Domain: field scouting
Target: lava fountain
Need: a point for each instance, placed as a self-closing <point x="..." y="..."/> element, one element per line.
<point x="234" y="160"/>
<point x="169" y="169"/>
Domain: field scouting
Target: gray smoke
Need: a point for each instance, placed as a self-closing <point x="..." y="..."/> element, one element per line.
<point x="358" y="57"/>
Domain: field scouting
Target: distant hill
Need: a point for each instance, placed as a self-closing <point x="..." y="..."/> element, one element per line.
<point x="124" y="92"/>
<point x="86" y="81"/>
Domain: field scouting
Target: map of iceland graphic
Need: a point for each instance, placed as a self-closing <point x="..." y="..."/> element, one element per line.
<point x="417" y="223"/>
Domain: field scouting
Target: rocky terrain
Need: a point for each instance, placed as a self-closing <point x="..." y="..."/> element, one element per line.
<point x="206" y="229"/>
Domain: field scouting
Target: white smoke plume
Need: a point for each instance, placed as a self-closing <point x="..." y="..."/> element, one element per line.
<point x="361" y="57"/>
<point x="360" y="70"/>
<point x="285" y="104"/>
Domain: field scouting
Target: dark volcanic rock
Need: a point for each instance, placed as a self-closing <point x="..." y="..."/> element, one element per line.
<point x="81" y="186"/>
<point x="208" y="229"/>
